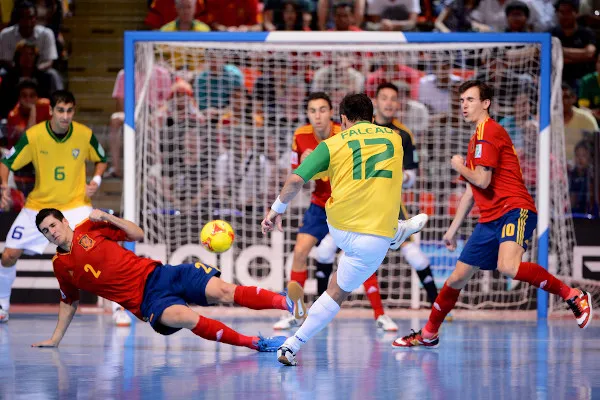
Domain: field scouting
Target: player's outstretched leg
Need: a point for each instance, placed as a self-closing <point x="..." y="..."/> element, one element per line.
<point x="181" y="316"/>
<point x="428" y="336"/>
<point x="382" y="321"/>
<point x="120" y="316"/>
<point x="579" y="301"/>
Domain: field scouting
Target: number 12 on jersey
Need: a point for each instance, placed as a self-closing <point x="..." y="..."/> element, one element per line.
<point x="371" y="162"/>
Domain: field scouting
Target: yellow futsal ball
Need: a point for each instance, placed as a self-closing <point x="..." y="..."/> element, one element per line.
<point x="217" y="236"/>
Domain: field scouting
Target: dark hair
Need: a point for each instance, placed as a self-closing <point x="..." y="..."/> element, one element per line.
<point x="61" y="96"/>
<point x="357" y="107"/>
<point x="387" y="85"/>
<point x="567" y="88"/>
<point x="583" y="144"/>
<point x="317" y="96"/>
<point x="342" y="4"/>
<point x="485" y="91"/>
<point x="517" y="6"/>
<point x="46" y="212"/>
<point x="27" y="84"/>
<point x="572" y="3"/>
<point x="22" y="6"/>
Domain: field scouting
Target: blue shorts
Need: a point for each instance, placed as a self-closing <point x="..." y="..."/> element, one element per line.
<point x="314" y="222"/>
<point x="168" y="285"/>
<point x="482" y="247"/>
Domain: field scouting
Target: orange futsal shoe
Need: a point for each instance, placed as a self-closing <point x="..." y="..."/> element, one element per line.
<point x="581" y="306"/>
<point x="415" y="339"/>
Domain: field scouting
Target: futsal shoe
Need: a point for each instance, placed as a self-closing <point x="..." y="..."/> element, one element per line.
<point x="415" y="339"/>
<point x="384" y="322"/>
<point x="295" y="300"/>
<point x="269" y="344"/>
<point x="3" y="315"/>
<point x="286" y="356"/>
<point x="121" y="318"/>
<point x="581" y="305"/>
<point x="287" y="322"/>
<point x="406" y="228"/>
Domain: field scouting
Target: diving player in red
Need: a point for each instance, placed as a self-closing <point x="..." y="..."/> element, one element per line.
<point x="508" y="218"/>
<point x="314" y="230"/>
<point x="90" y="258"/>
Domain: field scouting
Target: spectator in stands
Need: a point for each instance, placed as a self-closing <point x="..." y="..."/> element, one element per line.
<point x="580" y="124"/>
<point x="162" y="12"/>
<point x="343" y="18"/>
<point x="29" y="111"/>
<point x="338" y="79"/>
<point x="158" y="91"/>
<point x="186" y="9"/>
<point x="493" y="13"/>
<point x="325" y="18"/>
<point x="287" y="15"/>
<point x="232" y="15"/>
<point x="589" y="90"/>
<point x="456" y="17"/>
<point x="392" y="15"/>
<point x="435" y="89"/>
<point x="520" y="121"/>
<point x="579" y="43"/>
<point x="240" y="112"/>
<point x="411" y="112"/>
<point x="27" y="29"/>
<point x="391" y="69"/>
<point x="25" y="60"/>
<point x="588" y="16"/>
<point x="217" y="85"/>
<point x="179" y="107"/>
<point x="580" y="180"/>
<point x="517" y="17"/>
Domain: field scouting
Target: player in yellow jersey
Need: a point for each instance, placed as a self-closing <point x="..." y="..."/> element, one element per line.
<point x="364" y="166"/>
<point x="58" y="150"/>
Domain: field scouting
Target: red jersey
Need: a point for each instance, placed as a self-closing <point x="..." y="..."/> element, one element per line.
<point x="99" y="265"/>
<point x="490" y="146"/>
<point x="17" y="122"/>
<point x="305" y="138"/>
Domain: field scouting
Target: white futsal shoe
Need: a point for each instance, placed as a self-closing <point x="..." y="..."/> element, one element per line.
<point x="386" y="324"/>
<point x="121" y="318"/>
<point x="406" y="228"/>
<point x="287" y="322"/>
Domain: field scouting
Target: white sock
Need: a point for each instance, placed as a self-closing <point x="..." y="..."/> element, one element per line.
<point x="319" y="315"/>
<point x="7" y="277"/>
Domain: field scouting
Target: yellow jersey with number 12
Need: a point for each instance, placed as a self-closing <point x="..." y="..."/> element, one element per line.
<point x="59" y="164"/>
<point x="364" y="165"/>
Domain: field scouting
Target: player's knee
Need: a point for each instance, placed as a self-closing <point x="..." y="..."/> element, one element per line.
<point x="508" y="267"/>
<point x="414" y="256"/>
<point x="225" y="292"/>
<point x="301" y="254"/>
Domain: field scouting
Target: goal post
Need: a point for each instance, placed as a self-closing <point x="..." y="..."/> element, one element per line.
<point x="139" y="60"/>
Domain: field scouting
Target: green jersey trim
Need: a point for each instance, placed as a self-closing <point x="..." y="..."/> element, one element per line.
<point x="15" y="151"/>
<point x="53" y="136"/>
<point x="98" y="148"/>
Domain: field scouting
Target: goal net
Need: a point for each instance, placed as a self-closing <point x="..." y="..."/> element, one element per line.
<point x="214" y="122"/>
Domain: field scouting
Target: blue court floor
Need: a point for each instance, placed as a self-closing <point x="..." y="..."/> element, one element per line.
<point x="348" y="360"/>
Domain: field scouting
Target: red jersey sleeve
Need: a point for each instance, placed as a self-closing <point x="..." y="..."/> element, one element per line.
<point x="295" y="154"/>
<point x="108" y="230"/>
<point x="68" y="292"/>
<point x="487" y="146"/>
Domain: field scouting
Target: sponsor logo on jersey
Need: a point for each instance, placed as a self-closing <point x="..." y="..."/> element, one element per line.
<point x="478" y="151"/>
<point x="43" y="152"/>
<point x="75" y="153"/>
<point x="63" y="295"/>
<point x="86" y="242"/>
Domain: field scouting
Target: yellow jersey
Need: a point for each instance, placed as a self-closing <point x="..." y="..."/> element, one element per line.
<point x="59" y="164"/>
<point x="364" y="165"/>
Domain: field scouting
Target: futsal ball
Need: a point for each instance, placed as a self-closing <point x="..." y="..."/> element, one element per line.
<point x="217" y="236"/>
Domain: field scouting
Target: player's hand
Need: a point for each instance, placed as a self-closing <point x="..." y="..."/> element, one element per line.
<point x="97" y="215"/>
<point x="457" y="161"/>
<point x="272" y="219"/>
<point x="387" y="25"/>
<point x="45" y="343"/>
<point x="305" y="154"/>
<point x="449" y="240"/>
<point x="91" y="189"/>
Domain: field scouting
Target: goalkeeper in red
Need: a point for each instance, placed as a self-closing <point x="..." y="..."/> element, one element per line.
<point x="508" y="218"/>
<point x="90" y="258"/>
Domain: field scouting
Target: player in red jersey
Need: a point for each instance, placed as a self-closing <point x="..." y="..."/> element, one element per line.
<point x="90" y="258"/>
<point x="314" y="229"/>
<point x="508" y="218"/>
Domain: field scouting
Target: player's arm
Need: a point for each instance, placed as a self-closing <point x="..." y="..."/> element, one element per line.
<point x="134" y="233"/>
<point x="481" y="176"/>
<point x="464" y="207"/>
<point x="17" y="158"/>
<point x="97" y="154"/>
<point x="65" y="316"/>
<point x="315" y="164"/>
